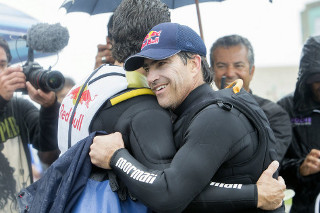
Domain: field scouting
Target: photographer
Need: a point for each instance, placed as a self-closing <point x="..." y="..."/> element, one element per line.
<point x="21" y="123"/>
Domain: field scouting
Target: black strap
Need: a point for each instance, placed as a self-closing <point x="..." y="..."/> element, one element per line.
<point x="246" y="104"/>
<point x="80" y="94"/>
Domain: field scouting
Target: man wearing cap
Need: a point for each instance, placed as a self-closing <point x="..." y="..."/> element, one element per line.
<point x="214" y="145"/>
<point x="301" y="164"/>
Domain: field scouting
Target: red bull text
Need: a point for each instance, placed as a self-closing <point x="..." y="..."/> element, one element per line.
<point x="66" y="114"/>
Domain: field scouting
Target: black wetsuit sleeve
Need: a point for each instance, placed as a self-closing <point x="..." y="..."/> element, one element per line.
<point x="151" y="138"/>
<point x="223" y="198"/>
<point x="192" y="168"/>
<point x="49" y="127"/>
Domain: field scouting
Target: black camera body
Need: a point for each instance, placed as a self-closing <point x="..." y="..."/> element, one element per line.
<point x="46" y="80"/>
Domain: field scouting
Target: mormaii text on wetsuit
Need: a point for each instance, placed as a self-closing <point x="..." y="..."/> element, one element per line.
<point x="226" y="185"/>
<point x="135" y="173"/>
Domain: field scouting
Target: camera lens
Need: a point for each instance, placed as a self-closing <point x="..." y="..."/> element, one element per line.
<point x="46" y="80"/>
<point x="54" y="80"/>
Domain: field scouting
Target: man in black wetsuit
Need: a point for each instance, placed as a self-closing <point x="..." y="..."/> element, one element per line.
<point x="214" y="147"/>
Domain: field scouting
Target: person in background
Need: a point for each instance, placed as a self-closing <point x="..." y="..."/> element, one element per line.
<point x="232" y="58"/>
<point x="68" y="84"/>
<point x="104" y="54"/>
<point x="301" y="164"/>
<point x="22" y="123"/>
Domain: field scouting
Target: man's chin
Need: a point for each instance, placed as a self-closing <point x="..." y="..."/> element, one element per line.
<point x="162" y="103"/>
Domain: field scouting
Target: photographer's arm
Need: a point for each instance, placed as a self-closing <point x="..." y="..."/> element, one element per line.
<point x="42" y="98"/>
<point x="48" y="149"/>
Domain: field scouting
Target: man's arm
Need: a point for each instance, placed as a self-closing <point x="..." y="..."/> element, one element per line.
<point x="220" y="197"/>
<point x="45" y="124"/>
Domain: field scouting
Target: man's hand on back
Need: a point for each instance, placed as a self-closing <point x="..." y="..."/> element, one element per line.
<point x="103" y="148"/>
<point x="270" y="190"/>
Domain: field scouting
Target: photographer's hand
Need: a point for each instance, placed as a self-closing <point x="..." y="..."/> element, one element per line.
<point x="42" y="98"/>
<point x="11" y="79"/>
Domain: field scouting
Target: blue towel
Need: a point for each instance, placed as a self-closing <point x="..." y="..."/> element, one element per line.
<point x="66" y="187"/>
<point x="62" y="183"/>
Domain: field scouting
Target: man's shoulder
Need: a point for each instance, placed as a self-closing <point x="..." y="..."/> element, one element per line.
<point x="287" y="98"/>
<point x="286" y="102"/>
<point x="263" y="101"/>
<point x="268" y="106"/>
<point x="224" y="113"/>
<point x="140" y="103"/>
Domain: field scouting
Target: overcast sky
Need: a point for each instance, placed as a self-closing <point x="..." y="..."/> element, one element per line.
<point x="274" y="29"/>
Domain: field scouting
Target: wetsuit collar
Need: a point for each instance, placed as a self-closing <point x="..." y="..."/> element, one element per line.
<point x="197" y="95"/>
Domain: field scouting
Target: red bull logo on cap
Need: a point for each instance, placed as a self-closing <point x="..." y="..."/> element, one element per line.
<point x="151" y="38"/>
<point x="85" y="97"/>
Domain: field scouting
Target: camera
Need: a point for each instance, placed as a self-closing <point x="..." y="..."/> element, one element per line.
<point x="46" y="80"/>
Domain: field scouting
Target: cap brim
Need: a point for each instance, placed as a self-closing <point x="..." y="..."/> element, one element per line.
<point x="136" y="61"/>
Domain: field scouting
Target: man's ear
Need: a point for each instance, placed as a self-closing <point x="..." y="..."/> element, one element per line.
<point x="195" y="64"/>
<point x="252" y="72"/>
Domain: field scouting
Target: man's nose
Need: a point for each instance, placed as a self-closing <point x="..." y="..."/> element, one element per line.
<point x="152" y="76"/>
<point x="230" y="72"/>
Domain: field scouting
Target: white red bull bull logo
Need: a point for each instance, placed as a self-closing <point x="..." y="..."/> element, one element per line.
<point x="151" y="38"/>
<point x="86" y="98"/>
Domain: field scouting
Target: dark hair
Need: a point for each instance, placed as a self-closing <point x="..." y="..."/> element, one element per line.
<point x="4" y="44"/>
<point x="230" y="41"/>
<point x="8" y="183"/>
<point x="109" y="27"/>
<point x="206" y="71"/>
<point x="132" y="20"/>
